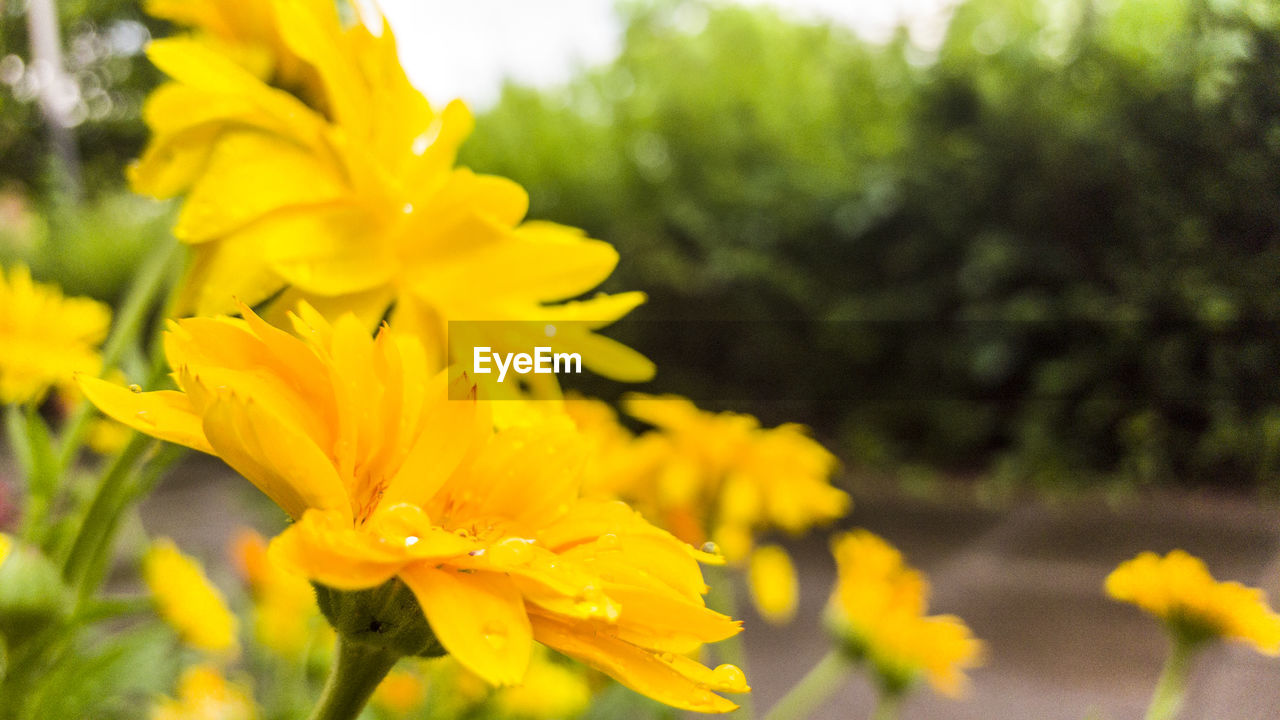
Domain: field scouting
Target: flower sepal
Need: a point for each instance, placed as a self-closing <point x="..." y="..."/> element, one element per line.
<point x="386" y="617"/>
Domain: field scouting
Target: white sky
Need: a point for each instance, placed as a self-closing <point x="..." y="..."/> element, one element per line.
<point x="465" y="49"/>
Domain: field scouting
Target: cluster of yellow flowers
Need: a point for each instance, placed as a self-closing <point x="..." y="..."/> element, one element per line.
<point x="879" y="608"/>
<point x="386" y="478"/>
<point x="313" y="170"/>
<point x="321" y="188"/>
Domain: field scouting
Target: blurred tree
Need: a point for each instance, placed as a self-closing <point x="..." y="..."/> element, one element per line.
<point x="1049" y="245"/>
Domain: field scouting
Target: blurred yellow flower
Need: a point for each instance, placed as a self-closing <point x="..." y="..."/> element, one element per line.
<point x="45" y="338"/>
<point x="247" y="33"/>
<point x="1178" y="589"/>
<point x="878" y="609"/>
<point x="349" y="198"/>
<point x="204" y="694"/>
<point x="774" y="588"/>
<point x="6" y="544"/>
<point x="713" y="476"/>
<point x="550" y="691"/>
<point x="286" y="620"/>
<point x="388" y="478"/>
<point x="400" y="693"/>
<point x="187" y="600"/>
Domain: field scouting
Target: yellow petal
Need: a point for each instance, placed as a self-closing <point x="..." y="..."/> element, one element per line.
<point x="164" y="414"/>
<point x="325" y="548"/>
<point x="328" y="250"/>
<point x="248" y="175"/>
<point x="645" y="672"/>
<point x="279" y="459"/>
<point x="478" y="617"/>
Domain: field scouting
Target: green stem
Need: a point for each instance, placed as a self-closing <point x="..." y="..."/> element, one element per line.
<point x="130" y="319"/>
<point x="814" y="688"/>
<point x="357" y="670"/>
<point x="98" y="516"/>
<point x="887" y="706"/>
<point x="146" y="480"/>
<point x="723" y="598"/>
<point x="1172" y="686"/>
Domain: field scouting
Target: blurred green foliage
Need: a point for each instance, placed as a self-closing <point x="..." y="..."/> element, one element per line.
<point x="1048" y="247"/>
<point x="89" y="245"/>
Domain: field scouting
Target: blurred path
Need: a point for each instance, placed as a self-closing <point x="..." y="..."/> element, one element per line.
<point x="1028" y="580"/>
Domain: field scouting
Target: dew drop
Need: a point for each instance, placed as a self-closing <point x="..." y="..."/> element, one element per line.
<point x="729" y="676"/>
<point x="496" y="636"/>
<point x="407" y="208"/>
<point x="710" y="548"/>
<point x="135" y="388"/>
<point x="410" y="541"/>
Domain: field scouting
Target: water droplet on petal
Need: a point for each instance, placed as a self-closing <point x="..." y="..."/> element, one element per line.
<point x="408" y="208"/>
<point x="410" y="541"/>
<point x="710" y="548"/>
<point x="729" y="677"/>
<point x="135" y="388"/>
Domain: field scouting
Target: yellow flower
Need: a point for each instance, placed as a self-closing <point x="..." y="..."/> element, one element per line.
<point x="388" y="478"/>
<point x="245" y="32"/>
<point x="1178" y="589"/>
<point x="6" y="544"/>
<point x="204" y="694"/>
<point x="187" y="600"/>
<point x="400" y="693"/>
<point x="878" y="610"/>
<point x="713" y="476"/>
<point x="550" y="691"/>
<point x="286" y="620"/>
<point x="353" y="202"/>
<point x="45" y="338"/>
<point x="774" y="589"/>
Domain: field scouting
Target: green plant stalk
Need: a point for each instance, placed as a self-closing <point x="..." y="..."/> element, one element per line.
<point x="814" y="688"/>
<point x="357" y="670"/>
<point x="147" y="477"/>
<point x="1171" y="688"/>
<point x="129" y="322"/>
<point x="32" y="448"/>
<point x="99" y="516"/>
<point x="888" y="705"/>
<point x="722" y="598"/>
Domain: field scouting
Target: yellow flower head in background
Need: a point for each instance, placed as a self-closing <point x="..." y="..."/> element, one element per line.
<point x="187" y="600"/>
<point x="550" y="691"/>
<point x="388" y="478"/>
<point x="6" y="544"/>
<point x="878" y="610"/>
<point x="401" y="692"/>
<point x="775" y="590"/>
<point x="286" y="620"/>
<point x="45" y="338"/>
<point x="348" y="197"/>
<point x="1178" y="589"/>
<point x="205" y="694"/>
<point x="717" y="476"/>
